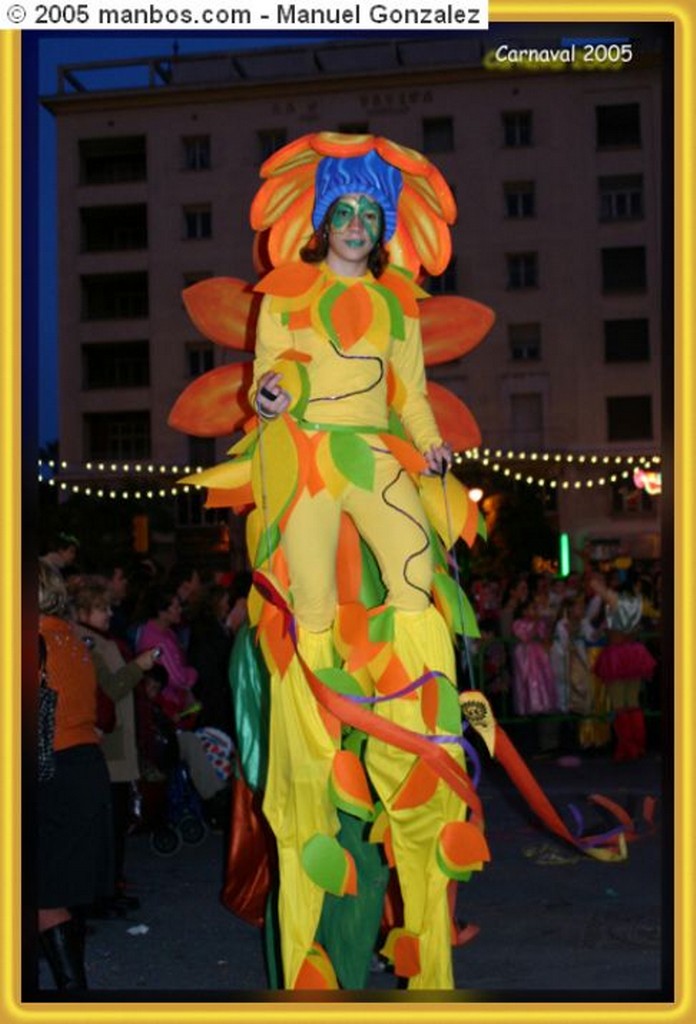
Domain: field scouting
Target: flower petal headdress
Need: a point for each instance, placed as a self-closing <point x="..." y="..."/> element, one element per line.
<point x="302" y="179"/>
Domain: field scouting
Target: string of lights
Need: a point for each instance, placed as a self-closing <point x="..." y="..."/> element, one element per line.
<point x="484" y="455"/>
<point x="543" y="469"/>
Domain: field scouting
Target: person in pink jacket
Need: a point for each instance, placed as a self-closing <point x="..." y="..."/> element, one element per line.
<point x="163" y="611"/>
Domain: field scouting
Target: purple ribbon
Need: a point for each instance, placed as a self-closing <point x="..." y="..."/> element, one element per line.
<point x="421" y="681"/>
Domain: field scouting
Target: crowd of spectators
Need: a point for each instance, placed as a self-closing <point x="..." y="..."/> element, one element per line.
<point x="139" y="657"/>
<point x="150" y="649"/>
<point x="544" y="650"/>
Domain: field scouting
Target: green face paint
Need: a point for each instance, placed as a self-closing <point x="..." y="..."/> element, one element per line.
<point x="367" y="211"/>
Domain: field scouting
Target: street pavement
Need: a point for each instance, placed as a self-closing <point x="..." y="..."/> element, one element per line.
<point x="553" y="924"/>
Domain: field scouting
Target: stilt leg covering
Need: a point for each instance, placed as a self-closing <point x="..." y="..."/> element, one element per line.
<point x="297" y="802"/>
<point x="421" y="640"/>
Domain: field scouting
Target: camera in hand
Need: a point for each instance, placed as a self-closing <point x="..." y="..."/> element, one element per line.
<point x="268" y="394"/>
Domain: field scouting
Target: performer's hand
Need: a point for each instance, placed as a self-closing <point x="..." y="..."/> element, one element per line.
<point x="271" y="399"/>
<point x="438" y="459"/>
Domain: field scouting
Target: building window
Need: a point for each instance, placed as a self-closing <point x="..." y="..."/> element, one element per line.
<point x="112" y="160"/>
<point x="354" y="127"/>
<point x="201" y="451"/>
<point x="446" y="282"/>
<point x="618" y="125"/>
<point x="117" y="435"/>
<point x="626" y="341"/>
<point x="621" y="197"/>
<point x="519" y="199"/>
<point x="196" y="152"/>
<point x="119" y="364"/>
<point x="200" y="357"/>
<point x="624" y="269"/>
<point x="629" y="418"/>
<point x="438" y="135"/>
<point x="111" y="228"/>
<point x="525" y="342"/>
<point x="198" y="221"/>
<point x="114" y="296"/>
<point x="527" y="419"/>
<point x="270" y="140"/>
<point x="522" y="270"/>
<point x="517" y="128"/>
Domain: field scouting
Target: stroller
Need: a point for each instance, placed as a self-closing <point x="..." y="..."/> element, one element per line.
<point x="191" y="766"/>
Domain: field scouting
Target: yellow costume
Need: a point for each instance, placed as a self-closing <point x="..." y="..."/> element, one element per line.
<point x="353" y="607"/>
<point x="346" y="397"/>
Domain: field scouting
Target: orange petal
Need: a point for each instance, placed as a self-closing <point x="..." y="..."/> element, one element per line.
<point x="394" y="678"/>
<point x="402" y="251"/>
<point x="297" y="152"/>
<point x="429" y="233"/>
<point x="339" y="145"/>
<point x="351" y="315"/>
<point x="470" y="530"/>
<point x="288" y="281"/>
<point x="348" y="562"/>
<point x="406" y="290"/>
<point x="315" y="481"/>
<point x="222" y="310"/>
<point x="452" y="326"/>
<point x="435" y="191"/>
<point x="274" y="638"/>
<point x="454" y="420"/>
<point x="316" y="971"/>
<point x="291" y="231"/>
<point x="463" y="843"/>
<point x="232" y="497"/>
<point x="404" y="452"/>
<point x="448" y="203"/>
<point x="418" y="788"/>
<point x="215" y="403"/>
<point x="407" y="956"/>
<point x="406" y="159"/>
<point x="300" y="319"/>
<point x="278" y="193"/>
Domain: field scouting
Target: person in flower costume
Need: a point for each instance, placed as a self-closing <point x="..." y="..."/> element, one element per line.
<point x="345" y="464"/>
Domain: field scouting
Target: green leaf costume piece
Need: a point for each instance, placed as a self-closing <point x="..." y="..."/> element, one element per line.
<point x="353" y="458"/>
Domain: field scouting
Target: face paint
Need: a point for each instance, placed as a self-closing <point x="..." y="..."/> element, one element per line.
<point x="368" y="212"/>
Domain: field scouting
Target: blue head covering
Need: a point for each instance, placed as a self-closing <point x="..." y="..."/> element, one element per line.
<point x="369" y="175"/>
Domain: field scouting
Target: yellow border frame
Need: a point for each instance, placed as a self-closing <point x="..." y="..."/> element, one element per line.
<point x="683" y="1008"/>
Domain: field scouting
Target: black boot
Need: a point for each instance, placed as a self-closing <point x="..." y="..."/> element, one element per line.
<point x="64" y="951"/>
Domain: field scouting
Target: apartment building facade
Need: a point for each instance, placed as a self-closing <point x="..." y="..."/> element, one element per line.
<point x="557" y="173"/>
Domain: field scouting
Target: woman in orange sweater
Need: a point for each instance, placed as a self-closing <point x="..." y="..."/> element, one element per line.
<point x="74" y="833"/>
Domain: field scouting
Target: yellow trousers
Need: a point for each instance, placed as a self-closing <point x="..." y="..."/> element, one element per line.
<point x="391" y="520"/>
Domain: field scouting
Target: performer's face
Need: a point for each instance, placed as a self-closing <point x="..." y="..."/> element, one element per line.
<point x="356" y="221"/>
